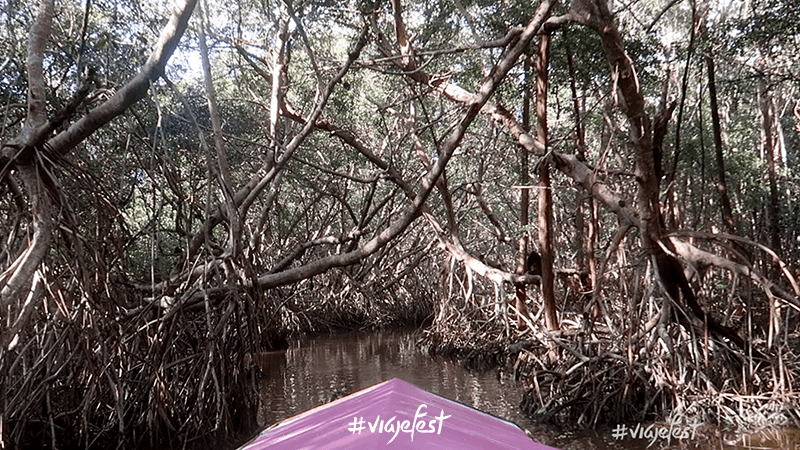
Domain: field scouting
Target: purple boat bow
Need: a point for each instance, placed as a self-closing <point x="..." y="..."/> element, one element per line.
<point x="393" y="415"/>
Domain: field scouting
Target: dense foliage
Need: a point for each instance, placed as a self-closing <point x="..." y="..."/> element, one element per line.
<point x="299" y="167"/>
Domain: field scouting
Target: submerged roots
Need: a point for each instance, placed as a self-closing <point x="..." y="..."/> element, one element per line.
<point x="629" y="368"/>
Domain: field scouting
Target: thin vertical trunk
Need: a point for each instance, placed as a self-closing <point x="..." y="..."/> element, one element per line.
<point x="545" y="219"/>
<point x="583" y="240"/>
<point x="276" y="105"/>
<point x="223" y="168"/>
<point x="767" y="122"/>
<point x="722" y="184"/>
<point x="591" y="242"/>
<point x="524" y="205"/>
<point x="679" y="120"/>
<point x="279" y="68"/>
<point x="773" y="215"/>
<point x="700" y="212"/>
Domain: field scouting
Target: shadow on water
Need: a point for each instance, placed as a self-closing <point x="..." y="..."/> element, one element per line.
<point x="316" y="371"/>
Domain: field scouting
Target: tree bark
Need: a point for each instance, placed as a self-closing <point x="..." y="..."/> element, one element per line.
<point x="722" y="184"/>
<point x="696" y="21"/>
<point x="545" y="217"/>
<point x="596" y="15"/>
<point x="16" y="281"/>
<point x="585" y="237"/>
<point x="524" y="206"/>
<point x="773" y="208"/>
<point x="223" y="168"/>
<point x="768" y="124"/>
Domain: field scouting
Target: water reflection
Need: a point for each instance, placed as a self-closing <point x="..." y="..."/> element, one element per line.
<point x="316" y="371"/>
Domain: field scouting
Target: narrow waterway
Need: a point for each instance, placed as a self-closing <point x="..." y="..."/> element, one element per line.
<point x="315" y="371"/>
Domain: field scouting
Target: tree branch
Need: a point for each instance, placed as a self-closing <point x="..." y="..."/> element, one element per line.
<point x="133" y="91"/>
<point x="449" y="146"/>
<point x="20" y="273"/>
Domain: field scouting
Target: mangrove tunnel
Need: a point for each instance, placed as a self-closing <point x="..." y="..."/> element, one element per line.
<point x="598" y="198"/>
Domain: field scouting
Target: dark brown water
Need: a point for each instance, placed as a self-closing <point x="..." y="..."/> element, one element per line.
<point x="317" y="370"/>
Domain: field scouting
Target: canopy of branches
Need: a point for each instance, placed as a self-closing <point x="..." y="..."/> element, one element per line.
<point x="183" y="185"/>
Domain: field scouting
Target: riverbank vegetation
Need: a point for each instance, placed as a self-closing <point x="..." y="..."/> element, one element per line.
<point x="185" y="186"/>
